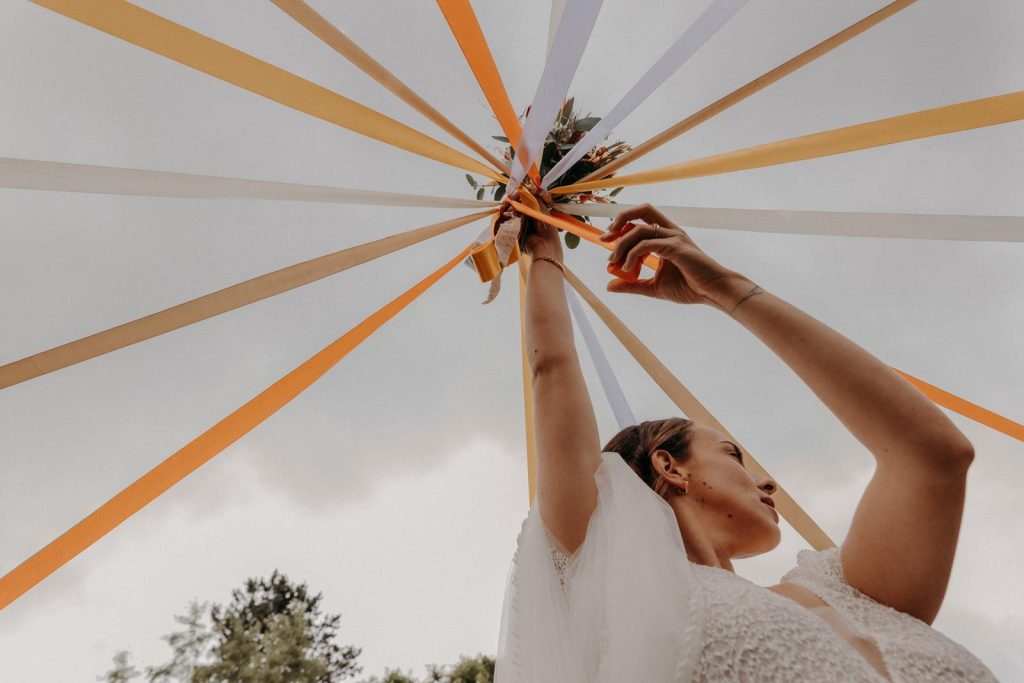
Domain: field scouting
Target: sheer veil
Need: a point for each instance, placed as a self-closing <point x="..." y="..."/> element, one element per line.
<point x="629" y="611"/>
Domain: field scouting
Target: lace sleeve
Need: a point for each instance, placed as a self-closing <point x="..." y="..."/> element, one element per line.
<point x="562" y="560"/>
<point x="911" y="649"/>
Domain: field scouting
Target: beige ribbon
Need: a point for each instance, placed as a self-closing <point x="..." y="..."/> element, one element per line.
<point x="952" y="118"/>
<point x="834" y="223"/>
<point x="346" y="47"/>
<point x="218" y="302"/>
<point x="756" y="85"/>
<point x="174" y="41"/>
<point x="695" y="411"/>
<point x="28" y="174"/>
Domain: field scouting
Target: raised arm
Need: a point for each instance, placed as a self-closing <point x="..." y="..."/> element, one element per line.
<point x="903" y="537"/>
<point x="568" y="444"/>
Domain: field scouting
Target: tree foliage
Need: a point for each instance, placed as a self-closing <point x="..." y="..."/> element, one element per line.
<point x="479" y="669"/>
<point x="272" y="632"/>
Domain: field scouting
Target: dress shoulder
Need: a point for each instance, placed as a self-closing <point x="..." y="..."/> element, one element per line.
<point x="912" y="649"/>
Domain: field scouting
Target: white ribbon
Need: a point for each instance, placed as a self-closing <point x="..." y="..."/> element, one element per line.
<point x="834" y="223"/>
<point x="26" y="174"/>
<point x="610" y="385"/>
<point x="574" y="29"/>
<point x="706" y="25"/>
<point x="557" y="8"/>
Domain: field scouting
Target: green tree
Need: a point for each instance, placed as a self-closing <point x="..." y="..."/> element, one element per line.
<point x="479" y="669"/>
<point x="122" y="671"/>
<point x="272" y="632"/>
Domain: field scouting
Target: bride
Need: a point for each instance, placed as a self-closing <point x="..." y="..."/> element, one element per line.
<point x="623" y="568"/>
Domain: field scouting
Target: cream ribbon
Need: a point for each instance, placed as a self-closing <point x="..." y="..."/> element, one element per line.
<point x="29" y="174"/>
<point x="834" y="223"/>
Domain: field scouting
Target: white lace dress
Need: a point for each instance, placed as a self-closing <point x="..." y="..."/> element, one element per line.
<point x="602" y="616"/>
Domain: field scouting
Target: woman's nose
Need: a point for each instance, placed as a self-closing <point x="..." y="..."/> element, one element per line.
<point x="768" y="486"/>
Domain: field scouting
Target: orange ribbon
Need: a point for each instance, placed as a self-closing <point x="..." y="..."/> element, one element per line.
<point x="179" y="465"/>
<point x="470" y="37"/>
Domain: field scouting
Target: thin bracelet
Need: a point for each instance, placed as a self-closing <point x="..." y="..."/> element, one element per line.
<point x="548" y="258"/>
<point x="756" y="290"/>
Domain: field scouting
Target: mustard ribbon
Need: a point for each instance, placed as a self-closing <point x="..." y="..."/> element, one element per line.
<point x="215" y="303"/>
<point x="347" y="48"/>
<point x="153" y="32"/>
<point x="756" y="85"/>
<point x="952" y="118"/>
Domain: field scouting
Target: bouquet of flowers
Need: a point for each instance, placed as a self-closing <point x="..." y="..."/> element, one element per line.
<point x="569" y="129"/>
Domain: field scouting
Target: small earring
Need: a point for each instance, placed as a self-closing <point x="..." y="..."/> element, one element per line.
<point x="681" y="491"/>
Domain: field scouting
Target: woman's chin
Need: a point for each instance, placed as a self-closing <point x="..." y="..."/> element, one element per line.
<point x="767" y="538"/>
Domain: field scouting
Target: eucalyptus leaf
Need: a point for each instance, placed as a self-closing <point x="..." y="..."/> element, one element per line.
<point x="587" y="123"/>
<point x="615" y="191"/>
<point x="566" y="110"/>
<point x="572" y="240"/>
<point x="501" y="138"/>
<point x="469" y="179"/>
<point x="499" y="192"/>
<point x="480" y="194"/>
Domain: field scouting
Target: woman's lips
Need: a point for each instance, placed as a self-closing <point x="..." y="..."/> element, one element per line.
<point x="771" y="504"/>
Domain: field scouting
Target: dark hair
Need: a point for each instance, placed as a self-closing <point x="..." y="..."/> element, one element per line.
<point x="635" y="445"/>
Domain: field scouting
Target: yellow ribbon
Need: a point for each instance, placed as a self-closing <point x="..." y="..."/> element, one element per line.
<point x="347" y="48"/>
<point x="952" y="118"/>
<point x="153" y="32"/>
<point x="756" y="85"/>
<point x="531" y="439"/>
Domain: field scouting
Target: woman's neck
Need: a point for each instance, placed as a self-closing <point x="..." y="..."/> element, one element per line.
<point x="700" y="549"/>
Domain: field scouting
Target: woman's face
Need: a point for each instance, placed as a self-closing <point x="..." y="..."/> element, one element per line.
<point x="722" y="496"/>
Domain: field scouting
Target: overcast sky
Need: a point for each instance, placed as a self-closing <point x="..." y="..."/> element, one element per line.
<point x="396" y="485"/>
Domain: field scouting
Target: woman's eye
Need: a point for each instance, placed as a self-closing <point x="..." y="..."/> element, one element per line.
<point x="738" y="455"/>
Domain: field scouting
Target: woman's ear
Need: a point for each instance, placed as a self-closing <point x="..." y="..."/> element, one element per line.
<point x="667" y="468"/>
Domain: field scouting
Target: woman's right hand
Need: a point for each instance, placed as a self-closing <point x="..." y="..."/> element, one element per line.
<point x="686" y="275"/>
<point x="541" y="239"/>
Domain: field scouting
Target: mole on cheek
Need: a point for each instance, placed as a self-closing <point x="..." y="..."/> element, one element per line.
<point x="730" y="515"/>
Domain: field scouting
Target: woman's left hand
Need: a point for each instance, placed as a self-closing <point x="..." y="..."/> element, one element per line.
<point x="686" y="275"/>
